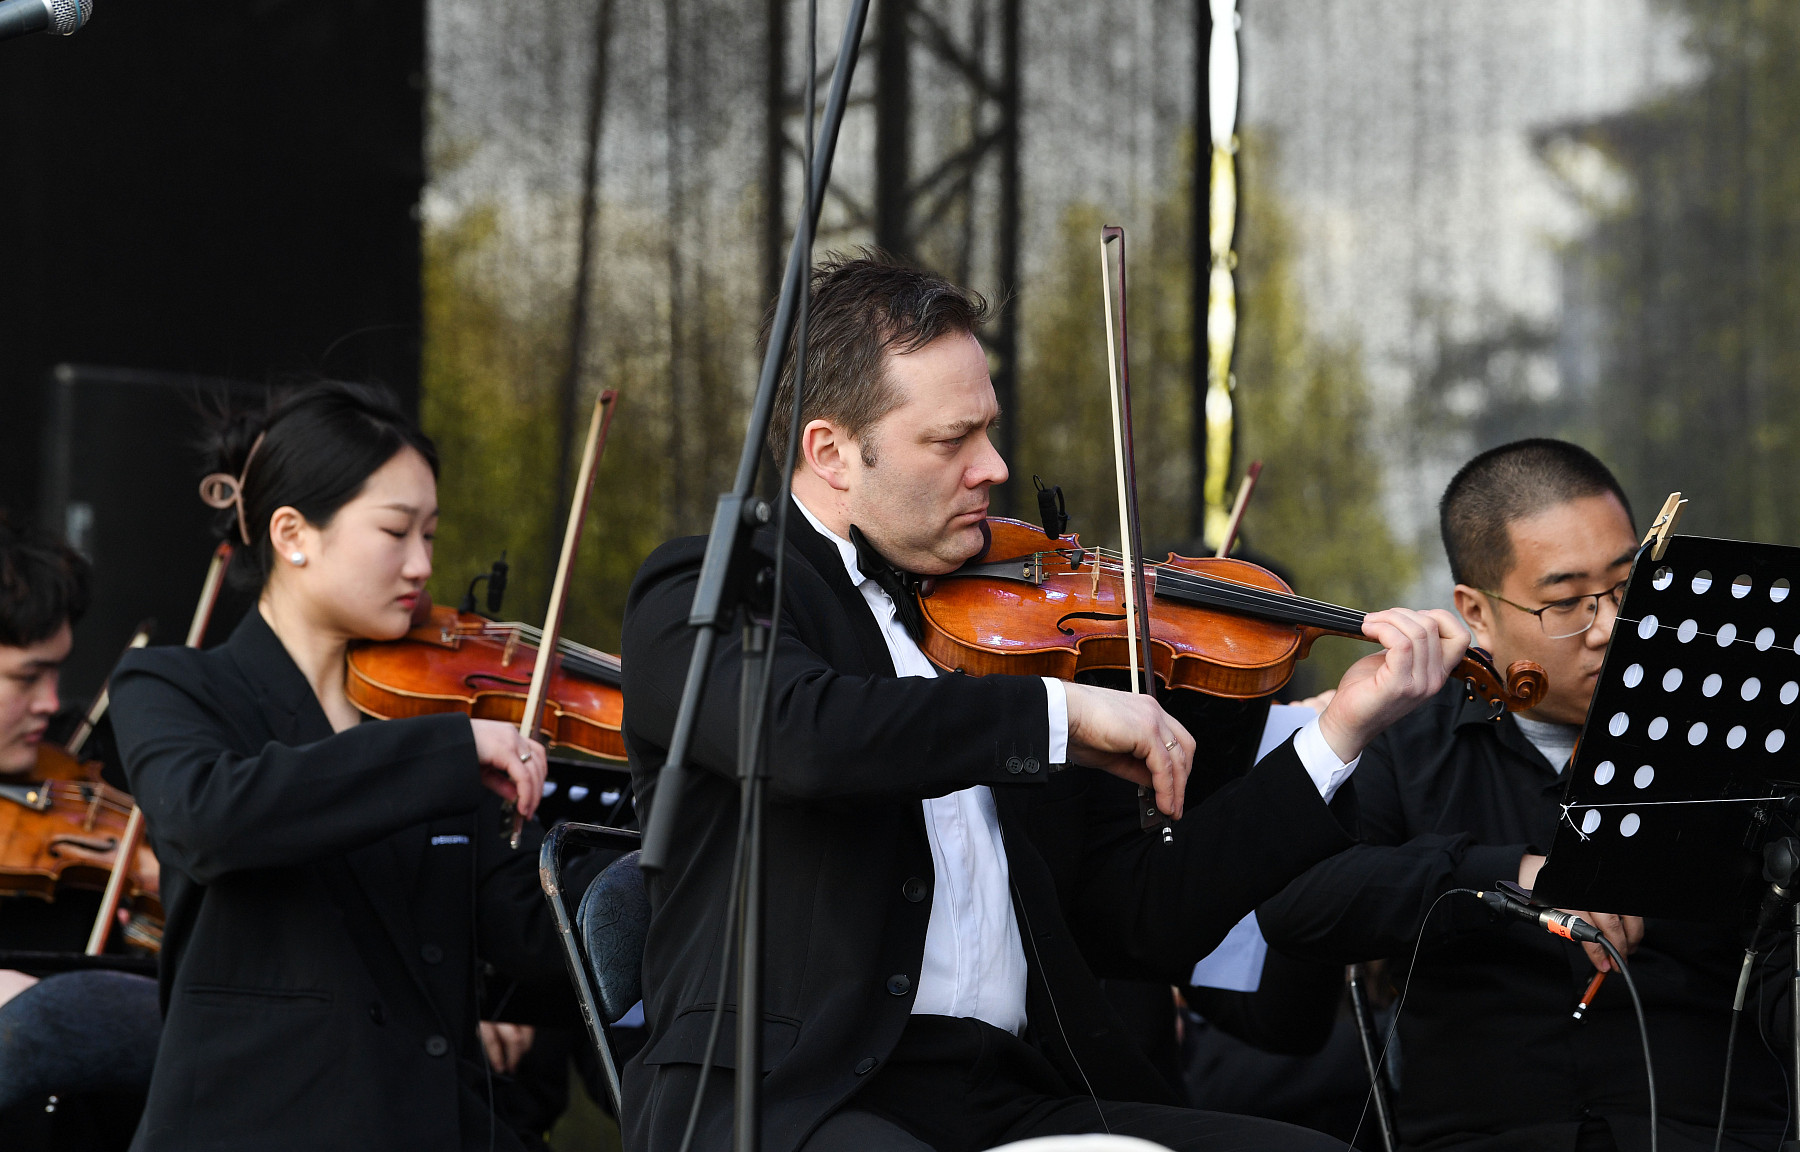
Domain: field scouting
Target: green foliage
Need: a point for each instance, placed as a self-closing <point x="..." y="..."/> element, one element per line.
<point x="1065" y="432"/>
<point x="489" y="399"/>
<point x="1695" y="276"/>
<point x="1303" y="408"/>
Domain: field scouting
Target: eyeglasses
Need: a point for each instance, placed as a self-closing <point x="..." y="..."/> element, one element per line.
<point x="1572" y="616"/>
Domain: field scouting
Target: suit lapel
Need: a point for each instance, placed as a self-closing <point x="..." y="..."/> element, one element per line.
<point x="822" y="557"/>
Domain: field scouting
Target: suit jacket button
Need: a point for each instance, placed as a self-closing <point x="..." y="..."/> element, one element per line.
<point x="431" y="954"/>
<point x="1015" y="765"/>
<point x="436" y="1046"/>
<point x="900" y="985"/>
<point x="376" y="1014"/>
<point x="1031" y="764"/>
<point x="913" y="889"/>
<point x="865" y="1066"/>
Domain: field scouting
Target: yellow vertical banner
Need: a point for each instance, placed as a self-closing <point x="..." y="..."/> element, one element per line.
<point x="1221" y="291"/>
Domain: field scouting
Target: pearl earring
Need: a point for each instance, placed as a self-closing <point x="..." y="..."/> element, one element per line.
<point x="297" y="559"/>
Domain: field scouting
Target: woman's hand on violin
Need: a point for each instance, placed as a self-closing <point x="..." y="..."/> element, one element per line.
<point x="511" y="766"/>
<point x="1420" y="649"/>
<point x="1131" y="737"/>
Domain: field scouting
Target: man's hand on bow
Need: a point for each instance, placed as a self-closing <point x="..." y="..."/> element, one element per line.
<point x="1133" y="738"/>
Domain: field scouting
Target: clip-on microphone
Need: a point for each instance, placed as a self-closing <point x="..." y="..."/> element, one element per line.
<point x="1051" y="512"/>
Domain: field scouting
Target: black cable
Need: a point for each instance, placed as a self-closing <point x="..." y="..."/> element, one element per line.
<point x="1737" y="1014"/>
<point x="1762" y="1033"/>
<point x="1637" y="1006"/>
<point x="1394" y="1023"/>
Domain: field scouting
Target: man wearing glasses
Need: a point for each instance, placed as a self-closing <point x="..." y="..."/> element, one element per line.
<point x="1540" y="540"/>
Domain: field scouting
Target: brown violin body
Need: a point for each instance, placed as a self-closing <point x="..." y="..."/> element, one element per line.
<point x="1036" y="607"/>
<point x="461" y="662"/>
<point x="61" y="830"/>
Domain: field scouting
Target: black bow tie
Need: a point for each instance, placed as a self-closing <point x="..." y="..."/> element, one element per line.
<point x="901" y="586"/>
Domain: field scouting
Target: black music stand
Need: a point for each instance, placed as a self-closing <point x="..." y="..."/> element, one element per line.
<point x="1692" y="744"/>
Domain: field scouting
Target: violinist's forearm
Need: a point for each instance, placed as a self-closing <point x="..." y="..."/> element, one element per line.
<point x="213" y="811"/>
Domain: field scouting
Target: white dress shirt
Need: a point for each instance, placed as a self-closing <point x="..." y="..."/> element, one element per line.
<point x="974" y="962"/>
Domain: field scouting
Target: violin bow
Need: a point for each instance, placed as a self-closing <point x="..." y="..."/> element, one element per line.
<point x="78" y="741"/>
<point x="1245" y="490"/>
<point x="530" y="719"/>
<point x="127" y="848"/>
<point x="1131" y="536"/>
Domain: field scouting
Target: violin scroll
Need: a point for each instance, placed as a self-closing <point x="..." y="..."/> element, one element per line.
<point x="1520" y="689"/>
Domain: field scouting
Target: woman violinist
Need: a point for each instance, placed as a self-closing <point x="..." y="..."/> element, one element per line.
<point x="335" y="889"/>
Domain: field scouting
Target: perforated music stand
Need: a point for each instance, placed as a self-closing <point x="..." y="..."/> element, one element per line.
<point x="1689" y="754"/>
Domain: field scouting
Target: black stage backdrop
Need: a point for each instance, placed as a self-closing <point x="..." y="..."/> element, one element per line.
<point x="193" y="190"/>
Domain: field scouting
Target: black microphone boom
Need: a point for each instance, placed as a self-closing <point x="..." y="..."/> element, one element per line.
<point x="23" y="17"/>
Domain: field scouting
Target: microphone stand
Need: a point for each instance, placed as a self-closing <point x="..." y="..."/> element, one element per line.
<point x="731" y="583"/>
<point x="1781" y="868"/>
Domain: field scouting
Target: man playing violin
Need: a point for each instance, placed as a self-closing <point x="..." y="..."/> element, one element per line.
<point x="100" y="1024"/>
<point x="952" y="860"/>
<point x="43" y="593"/>
<point x="1540" y="542"/>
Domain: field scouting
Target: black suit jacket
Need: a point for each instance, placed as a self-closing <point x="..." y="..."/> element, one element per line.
<point x="1449" y="800"/>
<point x="853" y="750"/>
<point x="329" y="897"/>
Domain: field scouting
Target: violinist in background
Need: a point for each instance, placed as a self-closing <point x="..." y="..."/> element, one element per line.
<point x="43" y="594"/>
<point x="89" y="1037"/>
<point x="1540" y="541"/>
<point x="941" y="892"/>
<point x="337" y="890"/>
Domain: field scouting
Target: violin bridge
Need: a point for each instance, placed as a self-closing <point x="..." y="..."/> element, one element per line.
<point x="512" y="646"/>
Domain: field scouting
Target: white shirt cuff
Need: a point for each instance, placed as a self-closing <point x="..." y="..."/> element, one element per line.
<point x="1058" y="698"/>
<point x="1321" y="763"/>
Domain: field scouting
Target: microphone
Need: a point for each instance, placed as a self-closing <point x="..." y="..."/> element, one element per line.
<point x="1558" y="923"/>
<point x="63" y="17"/>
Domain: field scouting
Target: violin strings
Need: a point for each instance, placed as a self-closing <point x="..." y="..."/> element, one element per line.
<point x="86" y="794"/>
<point x="564" y="647"/>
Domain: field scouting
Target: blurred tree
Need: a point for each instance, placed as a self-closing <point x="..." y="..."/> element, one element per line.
<point x="1692" y="279"/>
<point x="489" y="400"/>
<point x="1303" y="408"/>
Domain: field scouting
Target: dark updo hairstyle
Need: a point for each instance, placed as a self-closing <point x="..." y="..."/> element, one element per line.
<point x="320" y="444"/>
<point x="43" y="585"/>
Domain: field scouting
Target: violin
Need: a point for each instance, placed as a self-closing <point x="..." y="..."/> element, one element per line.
<point x="1036" y="605"/>
<point x="61" y="830"/>
<point x="462" y="662"/>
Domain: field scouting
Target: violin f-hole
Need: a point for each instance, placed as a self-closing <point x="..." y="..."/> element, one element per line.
<point x="471" y="678"/>
<point x="1085" y="616"/>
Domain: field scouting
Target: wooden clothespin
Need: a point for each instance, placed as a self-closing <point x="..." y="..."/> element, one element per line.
<point x="1664" y="525"/>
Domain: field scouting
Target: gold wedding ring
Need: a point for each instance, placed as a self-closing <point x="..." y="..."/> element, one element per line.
<point x="1170" y="745"/>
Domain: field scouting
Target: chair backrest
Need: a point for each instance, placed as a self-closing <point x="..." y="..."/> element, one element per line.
<point x="613" y="920"/>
